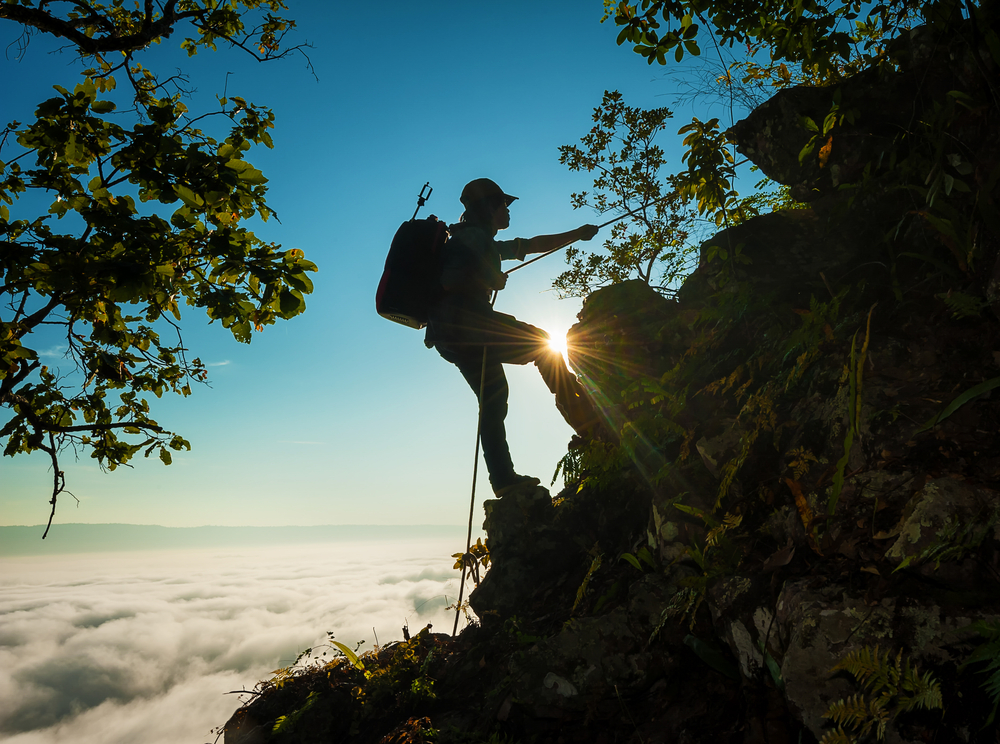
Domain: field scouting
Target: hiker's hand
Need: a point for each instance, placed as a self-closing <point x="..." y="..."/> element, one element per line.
<point x="586" y="232"/>
<point x="500" y="281"/>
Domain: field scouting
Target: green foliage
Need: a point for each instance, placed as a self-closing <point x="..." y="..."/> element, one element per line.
<point x="685" y="602"/>
<point x="653" y="242"/>
<point x="961" y="400"/>
<point x="718" y="556"/>
<point x="889" y="687"/>
<point x="823" y="135"/>
<point x="656" y="439"/>
<point x="476" y="560"/>
<point x="711" y="654"/>
<point x="838" y="736"/>
<point x="146" y="212"/>
<point x="772" y="665"/>
<point x="770" y="372"/>
<point x="393" y="682"/>
<point x="512" y="627"/>
<point x="963" y="305"/>
<point x="286" y="724"/>
<point x="711" y="169"/>
<point x="825" y="42"/>
<point x="413" y="731"/>
<point x="953" y="541"/>
<point x="937" y="173"/>
<point x="349" y="654"/>
<point x="987" y="655"/>
<point x="642" y="555"/>
<point x="855" y="374"/>
<point x="828" y="40"/>
<point x="570" y="465"/>
<point x="595" y="565"/>
<point x="398" y="674"/>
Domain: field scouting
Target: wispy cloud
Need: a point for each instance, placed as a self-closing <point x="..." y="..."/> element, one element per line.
<point x="53" y="352"/>
<point x="143" y="646"/>
<point x="223" y="363"/>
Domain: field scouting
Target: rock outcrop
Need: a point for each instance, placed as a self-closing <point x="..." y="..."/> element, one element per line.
<point x="802" y="502"/>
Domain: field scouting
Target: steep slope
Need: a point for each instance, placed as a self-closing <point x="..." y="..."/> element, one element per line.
<point x="797" y="500"/>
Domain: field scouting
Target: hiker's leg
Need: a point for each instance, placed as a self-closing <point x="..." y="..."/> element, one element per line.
<point x="517" y="342"/>
<point x="571" y="398"/>
<point x="511" y="341"/>
<point x="493" y="433"/>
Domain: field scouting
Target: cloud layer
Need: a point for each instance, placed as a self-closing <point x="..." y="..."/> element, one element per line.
<point x="126" y="647"/>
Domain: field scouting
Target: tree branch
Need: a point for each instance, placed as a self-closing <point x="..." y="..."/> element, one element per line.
<point x="48" y="23"/>
<point x="8" y="383"/>
<point x="25" y="326"/>
<point x="58" y="481"/>
<point x="50" y="429"/>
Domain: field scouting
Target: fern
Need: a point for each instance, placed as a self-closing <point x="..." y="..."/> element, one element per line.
<point x="988" y="654"/>
<point x="892" y="686"/>
<point x="802" y="460"/>
<point x="854" y="712"/>
<point x="962" y="305"/>
<point x="730" y="521"/>
<point x="837" y="736"/>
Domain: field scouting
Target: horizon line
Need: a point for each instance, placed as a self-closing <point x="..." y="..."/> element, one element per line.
<point x="233" y="526"/>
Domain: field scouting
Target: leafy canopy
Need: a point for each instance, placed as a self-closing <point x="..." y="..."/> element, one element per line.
<point x="828" y="38"/>
<point x="116" y="210"/>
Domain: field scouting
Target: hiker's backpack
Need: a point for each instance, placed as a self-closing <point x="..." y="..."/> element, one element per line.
<point x="411" y="280"/>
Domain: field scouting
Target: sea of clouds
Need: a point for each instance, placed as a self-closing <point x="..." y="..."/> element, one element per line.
<point x="108" y="648"/>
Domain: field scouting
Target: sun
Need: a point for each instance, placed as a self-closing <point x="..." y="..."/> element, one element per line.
<point x="557" y="328"/>
<point x="557" y="342"/>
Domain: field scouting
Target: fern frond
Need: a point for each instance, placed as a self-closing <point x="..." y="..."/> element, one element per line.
<point x="853" y="712"/>
<point x="837" y="736"/>
<point x="925" y="692"/>
<point x="988" y="629"/>
<point x="880" y="715"/>
<point x="895" y="687"/>
<point x="728" y="522"/>
<point x="988" y="654"/>
<point x="868" y="667"/>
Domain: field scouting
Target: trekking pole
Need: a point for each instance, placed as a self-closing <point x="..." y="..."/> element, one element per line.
<point x="475" y="475"/>
<point x="421" y="199"/>
<point x="599" y="227"/>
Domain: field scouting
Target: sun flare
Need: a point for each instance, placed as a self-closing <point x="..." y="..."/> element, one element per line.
<point x="558" y="343"/>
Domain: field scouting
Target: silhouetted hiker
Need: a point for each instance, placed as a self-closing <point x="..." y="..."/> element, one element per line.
<point x="464" y="322"/>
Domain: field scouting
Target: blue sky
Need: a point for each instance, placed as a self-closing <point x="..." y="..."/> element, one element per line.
<point x="339" y="416"/>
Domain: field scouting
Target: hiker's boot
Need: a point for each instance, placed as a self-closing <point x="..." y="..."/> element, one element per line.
<point x="510" y="483"/>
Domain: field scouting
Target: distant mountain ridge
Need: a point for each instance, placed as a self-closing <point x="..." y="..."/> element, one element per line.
<point x="101" y="538"/>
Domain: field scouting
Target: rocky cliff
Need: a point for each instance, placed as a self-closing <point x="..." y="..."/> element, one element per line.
<point x="791" y="528"/>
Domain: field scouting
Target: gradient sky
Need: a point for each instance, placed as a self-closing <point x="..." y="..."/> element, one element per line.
<point x="339" y="416"/>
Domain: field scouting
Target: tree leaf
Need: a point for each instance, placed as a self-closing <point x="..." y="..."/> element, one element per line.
<point x="351" y="656"/>
<point x="961" y="400"/>
<point x="807" y="123"/>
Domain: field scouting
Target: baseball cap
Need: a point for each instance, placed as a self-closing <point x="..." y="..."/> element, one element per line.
<point x="481" y="189"/>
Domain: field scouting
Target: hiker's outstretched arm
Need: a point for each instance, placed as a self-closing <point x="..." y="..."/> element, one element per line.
<point x="545" y="243"/>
